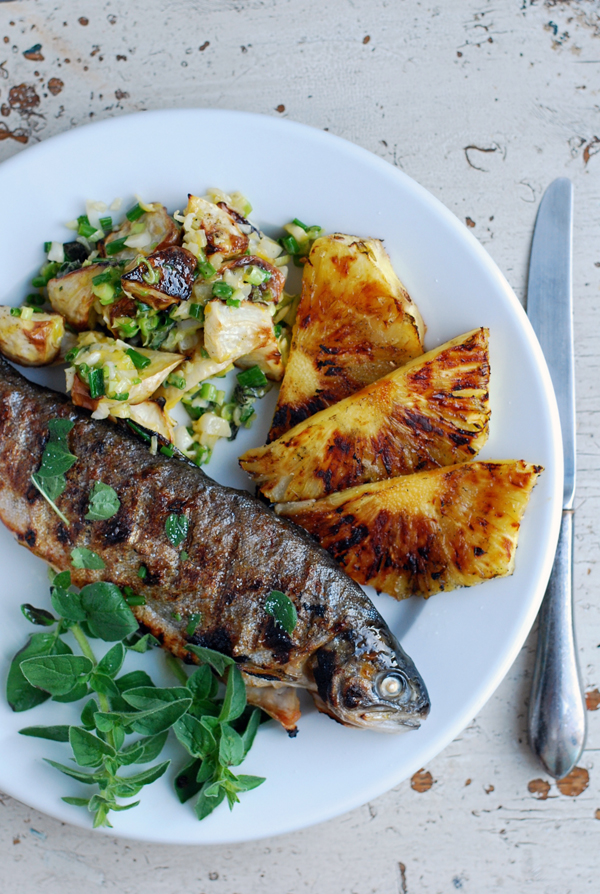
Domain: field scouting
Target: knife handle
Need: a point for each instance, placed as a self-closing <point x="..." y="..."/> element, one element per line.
<point x="557" y="723"/>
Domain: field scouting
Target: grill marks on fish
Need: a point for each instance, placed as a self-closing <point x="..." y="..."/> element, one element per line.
<point x="238" y="550"/>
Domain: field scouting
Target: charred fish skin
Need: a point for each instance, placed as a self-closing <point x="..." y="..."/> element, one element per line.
<point x="238" y="552"/>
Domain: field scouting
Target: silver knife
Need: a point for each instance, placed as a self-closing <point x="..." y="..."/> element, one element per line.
<point x="557" y="708"/>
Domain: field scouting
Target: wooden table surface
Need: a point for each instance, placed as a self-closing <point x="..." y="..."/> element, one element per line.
<point x="484" y="102"/>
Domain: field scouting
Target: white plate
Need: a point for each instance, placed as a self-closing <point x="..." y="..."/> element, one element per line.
<point x="462" y="642"/>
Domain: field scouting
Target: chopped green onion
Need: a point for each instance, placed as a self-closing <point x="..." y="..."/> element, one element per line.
<point x="183" y="556"/>
<point x="71" y="355"/>
<point x="142" y="572"/>
<point x="256" y="275"/>
<point x="139" y="361"/>
<point x="105" y="292"/>
<point x="135" y="213"/>
<point x="114" y="247"/>
<point x="135" y="599"/>
<point x="196" y="311"/>
<point x="86" y="229"/>
<point x="176" y="381"/>
<point x="152" y="275"/>
<point x="15" y="311"/>
<point x="107" y="276"/>
<point x="277" y="328"/>
<point x="121" y="397"/>
<point x="176" y="616"/>
<point x="291" y="245"/>
<point x="127" y="329"/>
<point x="206" y="269"/>
<point x="227" y="411"/>
<point x="106" y="223"/>
<point x="233" y="302"/>
<point x="299" y="223"/>
<point x="96" y="383"/>
<point x="38" y="282"/>
<point x="35" y="300"/>
<point x="208" y="392"/>
<point x="26" y="313"/>
<point x="47" y="246"/>
<point x="167" y="451"/>
<point x="221" y="289"/>
<point x="252" y="378"/>
<point x="202" y="455"/>
<point x="139" y="431"/>
<point x="193" y="622"/>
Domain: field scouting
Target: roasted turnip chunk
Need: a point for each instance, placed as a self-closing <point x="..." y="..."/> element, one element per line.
<point x="163" y="278"/>
<point x="232" y="332"/>
<point x="153" y="231"/>
<point x="30" y="342"/>
<point x="72" y="296"/>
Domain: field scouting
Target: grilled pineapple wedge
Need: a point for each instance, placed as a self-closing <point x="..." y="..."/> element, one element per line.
<point x="432" y="412"/>
<point x="355" y="323"/>
<point x="424" y="533"/>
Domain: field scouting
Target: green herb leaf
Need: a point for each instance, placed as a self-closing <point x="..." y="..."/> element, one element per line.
<point x="50" y="489"/>
<point x="86" y="778"/>
<point x="112" y="662"/>
<point x="176" y="527"/>
<point x="103" y="684"/>
<point x="146" y="749"/>
<point x="81" y="557"/>
<point x="57" y="458"/>
<point x="54" y="733"/>
<point x="185" y="783"/>
<point x="282" y="610"/>
<point x="231" y="747"/>
<point x="56" y="674"/>
<point x="62" y="580"/>
<point x="140" y="642"/>
<point x="235" y="695"/>
<point x="207" y="803"/>
<point x="76" y="802"/>
<point x="67" y="603"/>
<point x="104" y="502"/>
<point x="133" y="680"/>
<point x="79" y="691"/>
<point x="89" y="750"/>
<point x="217" y="660"/>
<point x="146" y="698"/>
<point x="127" y="784"/>
<point x="247" y="783"/>
<point x="38" y="615"/>
<point x="196" y="738"/>
<point x="108" y="615"/>
<point x="203" y="683"/>
<point x="20" y="694"/>
<point x="249" y="733"/>
<point x="87" y="715"/>
<point x="152" y="723"/>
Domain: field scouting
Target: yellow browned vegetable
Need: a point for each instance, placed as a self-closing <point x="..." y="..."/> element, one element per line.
<point x="155" y="229"/>
<point x="163" y="278"/>
<point x="72" y="296"/>
<point x="432" y="412"/>
<point x="232" y="332"/>
<point x="355" y="323"/>
<point x="424" y="533"/>
<point x="212" y="229"/>
<point x="30" y="340"/>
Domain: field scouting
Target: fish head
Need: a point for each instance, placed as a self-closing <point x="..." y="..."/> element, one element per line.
<point x="369" y="681"/>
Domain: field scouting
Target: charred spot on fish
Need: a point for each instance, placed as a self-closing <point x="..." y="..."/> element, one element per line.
<point x="32" y="494"/>
<point x="353" y="696"/>
<point x="62" y="533"/>
<point x="318" y="610"/>
<point x="29" y="538"/>
<point x="116" y="531"/>
<point x="323" y="673"/>
<point x="219" y="640"/>
<point x="277" y="640"/>
<point x="478" y="551"/>
<point x="435" y="575"/>
<point x="271" y="677"/>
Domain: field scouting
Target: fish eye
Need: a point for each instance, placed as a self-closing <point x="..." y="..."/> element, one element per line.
<point x="392" y="685"/>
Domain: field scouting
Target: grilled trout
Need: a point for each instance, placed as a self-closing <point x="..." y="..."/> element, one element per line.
<point x="238" y="552"/>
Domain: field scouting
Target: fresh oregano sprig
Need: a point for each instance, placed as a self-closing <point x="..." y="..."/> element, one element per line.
<point x="216" y="731"/>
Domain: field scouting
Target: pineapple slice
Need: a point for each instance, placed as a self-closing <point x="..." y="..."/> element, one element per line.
<point x="355" y="323"/>
<point x="427" y="532"/>
<point x="432" y="412"/>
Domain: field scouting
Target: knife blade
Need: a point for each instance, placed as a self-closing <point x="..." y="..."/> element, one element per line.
<point x="557" y="723"/>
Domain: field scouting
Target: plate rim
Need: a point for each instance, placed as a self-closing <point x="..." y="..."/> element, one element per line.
<point x="440" y="742"/>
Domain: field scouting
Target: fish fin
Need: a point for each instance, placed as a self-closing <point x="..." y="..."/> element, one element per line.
<point x="280" y="703"/>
